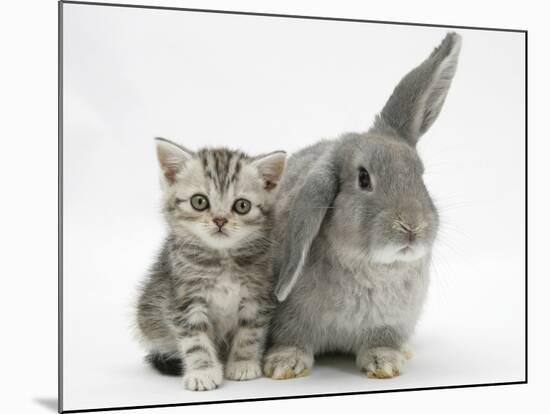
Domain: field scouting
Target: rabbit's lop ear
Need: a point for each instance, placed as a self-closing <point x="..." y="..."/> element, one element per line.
<point x="417" y="100"/>
<point x="306" y="214"/>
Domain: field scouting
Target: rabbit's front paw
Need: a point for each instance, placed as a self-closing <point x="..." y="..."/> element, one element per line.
<point x="381" y="362"/>
<point x="203" y="379"/>
<point x="242" y="370"/>
<point x="287" y="362"/>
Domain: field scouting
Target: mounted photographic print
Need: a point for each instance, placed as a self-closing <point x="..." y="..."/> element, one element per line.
<point x="260" y="206"/>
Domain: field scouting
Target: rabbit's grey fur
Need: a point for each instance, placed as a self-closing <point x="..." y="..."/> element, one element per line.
<point x="344" y="281"/>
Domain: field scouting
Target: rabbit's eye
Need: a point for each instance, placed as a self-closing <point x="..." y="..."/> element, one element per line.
<point x="364" y="179"/>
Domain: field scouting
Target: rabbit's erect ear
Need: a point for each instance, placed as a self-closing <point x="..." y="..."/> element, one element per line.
<point x="172" y="158"/>
<point x="417" y="100"/>
<point x="307" y="212"/>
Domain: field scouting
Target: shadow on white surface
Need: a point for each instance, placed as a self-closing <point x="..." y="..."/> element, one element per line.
<point x="49" y="403"/>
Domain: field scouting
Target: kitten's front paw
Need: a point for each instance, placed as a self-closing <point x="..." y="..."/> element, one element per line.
<point x="287" y="362"/>
<point x="381" y="362"/>
<point x="243" y="370"/>
<point x="203" y="379"/>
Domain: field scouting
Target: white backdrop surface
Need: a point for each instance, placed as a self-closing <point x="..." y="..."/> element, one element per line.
<point x="259" y="84"/>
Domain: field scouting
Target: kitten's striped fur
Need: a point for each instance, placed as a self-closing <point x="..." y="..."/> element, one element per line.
<point x="208" y="298"/>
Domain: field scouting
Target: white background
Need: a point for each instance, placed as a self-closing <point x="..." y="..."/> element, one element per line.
<point x="261" y="84"/>
<point x="31" y="171"/>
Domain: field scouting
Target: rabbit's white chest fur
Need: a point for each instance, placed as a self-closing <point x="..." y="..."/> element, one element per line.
<point x="368" y="298"/>
<point x="383" y="297"/>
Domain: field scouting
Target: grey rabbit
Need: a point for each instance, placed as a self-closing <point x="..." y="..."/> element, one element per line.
<point x="354" y="235"/>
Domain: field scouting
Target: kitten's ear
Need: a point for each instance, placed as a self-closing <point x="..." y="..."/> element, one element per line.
<point x="172" y="158"/>
<point x="271" y="167"/>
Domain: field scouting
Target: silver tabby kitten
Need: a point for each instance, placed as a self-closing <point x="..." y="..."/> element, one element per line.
<point x="208" y="297"/>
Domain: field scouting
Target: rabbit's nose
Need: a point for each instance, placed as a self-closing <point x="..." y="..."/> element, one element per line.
<point x="411" y="236"/>
<point x="409" y="232"/>
<point x="220" y="221"/>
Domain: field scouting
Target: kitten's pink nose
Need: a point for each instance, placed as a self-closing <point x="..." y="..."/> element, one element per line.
<point x="220" y="221"/>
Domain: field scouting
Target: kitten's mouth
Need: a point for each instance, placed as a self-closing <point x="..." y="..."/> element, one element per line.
<point x="220" y="233"/>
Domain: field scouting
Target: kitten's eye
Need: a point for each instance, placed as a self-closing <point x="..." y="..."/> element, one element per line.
<point x="242" y="206"/>
<point x="199" y="202"/>
<point x="364" y="179"/>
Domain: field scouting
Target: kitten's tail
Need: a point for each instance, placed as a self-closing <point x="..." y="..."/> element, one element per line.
<point x="165" y="364"/>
